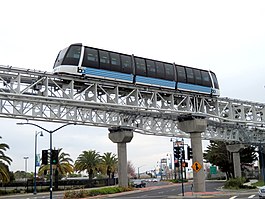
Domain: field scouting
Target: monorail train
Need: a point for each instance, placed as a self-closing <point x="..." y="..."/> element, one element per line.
<point x="78" y="59"/>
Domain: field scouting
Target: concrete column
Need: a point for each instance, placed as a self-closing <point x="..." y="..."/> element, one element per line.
<point x="235" y="150"/>
<point x="195" y="127"/>
<point x="121" y="136"/>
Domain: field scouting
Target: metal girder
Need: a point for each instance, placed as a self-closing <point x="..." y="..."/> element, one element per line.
<point x="36" y="95"/>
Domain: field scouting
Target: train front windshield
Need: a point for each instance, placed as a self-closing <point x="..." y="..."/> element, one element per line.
<point x="60" y="57"/>
<point x="68" y="56"/>
<point x="216" y="85"/>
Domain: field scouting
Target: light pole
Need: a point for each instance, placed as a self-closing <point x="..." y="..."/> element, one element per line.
<point x="26" y="161"/>
<point x="181" y="166"/>
<point x="50" y="132"/>
<point x="175" y="173"/>
<point x="35" y="165"/>
<point x="138" y="171"/>
<point x="170" y="165"/>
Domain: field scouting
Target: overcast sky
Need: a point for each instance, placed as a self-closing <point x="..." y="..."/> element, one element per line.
<point x="227" y="37"/>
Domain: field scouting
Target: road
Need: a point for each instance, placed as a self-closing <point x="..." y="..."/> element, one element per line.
<point x="175" y="191"/>
<point x="159" y="190"/>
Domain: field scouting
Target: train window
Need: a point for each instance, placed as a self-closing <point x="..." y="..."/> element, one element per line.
<point x="169" y="72"/>
<point x="205" y="78"/>
<point x="181" y="74"/>
<point x="72" y="56"/>
<point x="198" y="76"/>
<point x="115" y="61"/>
<point x="90" y="58"/>
<point x="151" y="69"/>
<point x="215" y="80"/>
<point x="126" y="62"/>
<point x="140" y="66"/>
<point x="190" y="75"/>
<point x="60" y="57"/>
<point x="104" y="60"/>
<point x="160" y="70"/>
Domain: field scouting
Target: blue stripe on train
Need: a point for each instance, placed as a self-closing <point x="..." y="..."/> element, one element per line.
<point x="155" y="82"/>
<point x="192" y="87"/>
<point x="108" y="74"/>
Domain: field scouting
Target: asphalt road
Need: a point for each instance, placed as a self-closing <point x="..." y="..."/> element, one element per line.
<point x="175" y="191"/>
<point x="159" y="190"/>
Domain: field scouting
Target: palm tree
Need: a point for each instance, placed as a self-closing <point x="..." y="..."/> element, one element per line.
<point x="109" y="163"/>
<point x="4" y="162"/>
<point x="63" y="167"/>
<point x="88" y="161"/>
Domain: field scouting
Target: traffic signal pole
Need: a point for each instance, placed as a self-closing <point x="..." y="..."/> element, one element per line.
<point x="50" y="132"/>
<point x="50" y="164"/>
<point x="181" y="168"/>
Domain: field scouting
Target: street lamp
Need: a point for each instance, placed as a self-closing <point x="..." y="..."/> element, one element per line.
<point x="35" y="165"/>
<point x="26" y="161"/>
<point x="50" y="132"/>
<point x="173" y="164"/>
<point x="138" y="171"/>
<point x="170" y="165"/>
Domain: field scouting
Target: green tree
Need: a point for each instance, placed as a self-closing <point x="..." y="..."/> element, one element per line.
<point x="4" y="162"/>
<point x="88" y="161"/>
<point x="109" y="164"/>
<point x="218" y="155"/>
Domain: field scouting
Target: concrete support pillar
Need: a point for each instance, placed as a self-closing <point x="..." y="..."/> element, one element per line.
<point x="195" y="127"/>
<point x="121" y="136"/>
<point x="235" y="150"/>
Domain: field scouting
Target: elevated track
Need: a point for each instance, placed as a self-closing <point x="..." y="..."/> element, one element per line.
<point x="42" y="96"/>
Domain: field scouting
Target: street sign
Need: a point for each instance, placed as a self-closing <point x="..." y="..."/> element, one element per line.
<point x="213" y="170"/>
<point x="37" y="160"/>
<point x="196" y="166"/>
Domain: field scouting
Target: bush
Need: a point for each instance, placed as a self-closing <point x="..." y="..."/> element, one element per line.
<point x="178" y="180"/>
<point x="235" y="183"/>
<point x="95" y="192"/>
<point x="76" y="194"/>
<point x="108" y="190"/>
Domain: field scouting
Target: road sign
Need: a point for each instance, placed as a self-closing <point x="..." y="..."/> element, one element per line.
<point x="213" y="170"/>
<point x="196" y="166"/>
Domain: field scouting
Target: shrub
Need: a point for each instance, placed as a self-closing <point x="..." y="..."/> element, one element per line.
<point x="108" y="190"/>
<point x="95" y="192"/>
<point x="76" y="194"/>
<point x="178" y="180"/>
<point x="234" y="183"/>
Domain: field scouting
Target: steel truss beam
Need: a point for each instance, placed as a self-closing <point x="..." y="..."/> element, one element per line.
<point x="37" y="95"/>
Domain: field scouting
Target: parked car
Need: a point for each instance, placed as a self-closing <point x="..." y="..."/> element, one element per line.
<point x="262" y="192"/>
<point x="138" y="183"/>
<point x="154" y="180"/>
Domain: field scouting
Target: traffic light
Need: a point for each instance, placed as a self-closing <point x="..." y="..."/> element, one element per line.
<point x="176" y="152"/>
<point x="55" y="158"/>
<point x="189" y="152"/>
<point x="44" y="157"/>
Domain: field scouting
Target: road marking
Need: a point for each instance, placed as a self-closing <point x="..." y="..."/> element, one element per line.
<point x="252" y="196"/>
<point x="233" y="197"/>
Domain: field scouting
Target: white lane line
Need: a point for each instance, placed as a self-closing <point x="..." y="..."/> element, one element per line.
<point x="252" y="196"/>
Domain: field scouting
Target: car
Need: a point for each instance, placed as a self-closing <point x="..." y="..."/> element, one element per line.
<point x="154" y="180"/>
<point x="138" y="183"/>
<point x="262" y="192"/>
